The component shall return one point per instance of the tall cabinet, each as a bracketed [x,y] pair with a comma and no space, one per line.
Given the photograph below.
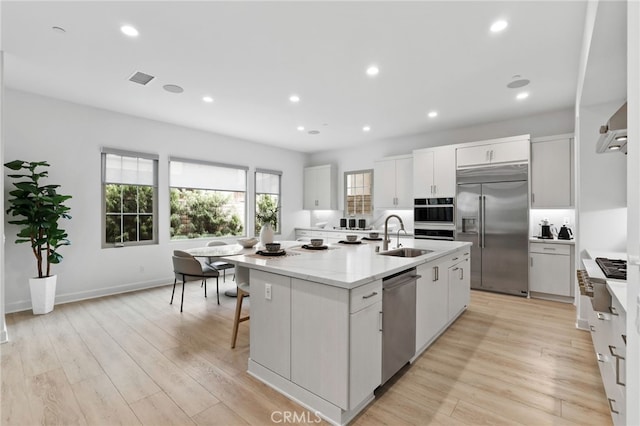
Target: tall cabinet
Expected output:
[552,172]
[434,172]
[320,191]
[393,185]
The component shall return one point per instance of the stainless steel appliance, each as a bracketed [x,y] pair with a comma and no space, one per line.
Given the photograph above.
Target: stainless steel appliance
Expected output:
[398,321]
[434,218]
[493,214]
[593,280]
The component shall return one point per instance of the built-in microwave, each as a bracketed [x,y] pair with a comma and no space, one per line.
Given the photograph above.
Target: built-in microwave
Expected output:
[434,211]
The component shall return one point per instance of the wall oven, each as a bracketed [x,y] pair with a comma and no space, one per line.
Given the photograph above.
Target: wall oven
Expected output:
[434,218]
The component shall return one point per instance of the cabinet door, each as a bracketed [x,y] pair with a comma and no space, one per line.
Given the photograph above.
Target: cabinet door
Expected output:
[324,188]
[404,183]
[459,288]
[271,338]
[310,191]
[365,351]
[384,186]
[550,273]
[423,173]
[432,301]
[444,172]
[320,340]
[551,174]
[473,155]
[510,152]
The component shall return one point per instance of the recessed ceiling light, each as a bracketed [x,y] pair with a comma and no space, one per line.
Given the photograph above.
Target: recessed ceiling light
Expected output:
[300,128]
[173,88]
[207,99]
[433,114]
[366,128]
[522,95]
[621,138]
[129,30]
[294,98]
[373,70]
[498,26]
[614,147]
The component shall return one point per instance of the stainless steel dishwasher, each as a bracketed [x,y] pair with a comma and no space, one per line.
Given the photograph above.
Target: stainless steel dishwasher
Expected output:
[398,321]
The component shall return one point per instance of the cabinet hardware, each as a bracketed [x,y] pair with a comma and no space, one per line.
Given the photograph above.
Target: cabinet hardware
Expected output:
[491,156]
[592,328]
[466,254]
[461,273]
[612,349]
[380,321]
[533,198]
[455,258]
[370,295]
[613,311]
[624,338]
[618,382]
[600,357]
[486,156]
[601,316]
[549,248]
[611,401]
[435,273]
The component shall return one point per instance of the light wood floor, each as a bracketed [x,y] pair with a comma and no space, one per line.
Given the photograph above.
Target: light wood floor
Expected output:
[134,359]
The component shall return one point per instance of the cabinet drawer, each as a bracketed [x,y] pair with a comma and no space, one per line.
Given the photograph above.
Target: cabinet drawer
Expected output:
[365,295]
[303,233]
[563,249]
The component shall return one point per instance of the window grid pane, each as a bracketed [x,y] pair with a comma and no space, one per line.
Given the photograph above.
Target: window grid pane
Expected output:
[358,193]
[267,197]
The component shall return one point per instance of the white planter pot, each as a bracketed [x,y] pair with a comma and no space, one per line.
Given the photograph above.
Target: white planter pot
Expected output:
[43,294]
[266,234]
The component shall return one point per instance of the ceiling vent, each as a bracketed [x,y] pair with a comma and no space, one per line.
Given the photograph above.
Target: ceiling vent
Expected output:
[141,78]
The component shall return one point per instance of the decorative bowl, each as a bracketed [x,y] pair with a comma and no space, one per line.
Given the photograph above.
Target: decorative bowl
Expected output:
[373,235]
[316,242]
[272,247]
[352,238]
[247,242]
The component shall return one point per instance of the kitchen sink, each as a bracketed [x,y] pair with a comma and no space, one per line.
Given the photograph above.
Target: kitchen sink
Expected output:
[405,252]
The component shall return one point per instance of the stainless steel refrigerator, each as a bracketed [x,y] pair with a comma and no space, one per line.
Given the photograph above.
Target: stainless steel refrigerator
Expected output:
[493,214]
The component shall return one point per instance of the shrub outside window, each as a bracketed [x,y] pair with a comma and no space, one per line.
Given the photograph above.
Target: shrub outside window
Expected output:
[129,196]
[267,190]
[206,199]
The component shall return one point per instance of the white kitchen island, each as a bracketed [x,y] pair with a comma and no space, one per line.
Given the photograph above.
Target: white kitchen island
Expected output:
[315,333]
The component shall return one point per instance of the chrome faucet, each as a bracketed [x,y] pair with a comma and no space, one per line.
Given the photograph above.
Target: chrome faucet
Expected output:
[385,241]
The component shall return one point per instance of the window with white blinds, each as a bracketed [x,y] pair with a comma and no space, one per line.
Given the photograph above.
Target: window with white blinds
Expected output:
[129,195]
[206,199]
[267,191]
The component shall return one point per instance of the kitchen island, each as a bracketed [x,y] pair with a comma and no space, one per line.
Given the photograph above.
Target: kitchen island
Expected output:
[316,317]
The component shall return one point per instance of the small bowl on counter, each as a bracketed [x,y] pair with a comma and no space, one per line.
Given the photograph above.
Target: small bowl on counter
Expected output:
[316,242]
[352,238]
[247,242]
[373,235]
[272,247]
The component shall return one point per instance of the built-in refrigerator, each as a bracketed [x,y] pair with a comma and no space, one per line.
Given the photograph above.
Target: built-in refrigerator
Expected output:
[493,214]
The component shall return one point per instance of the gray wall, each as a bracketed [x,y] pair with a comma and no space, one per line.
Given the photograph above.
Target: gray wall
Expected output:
[69,136]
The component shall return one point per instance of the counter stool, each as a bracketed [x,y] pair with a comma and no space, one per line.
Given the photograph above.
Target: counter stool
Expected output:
[243,291]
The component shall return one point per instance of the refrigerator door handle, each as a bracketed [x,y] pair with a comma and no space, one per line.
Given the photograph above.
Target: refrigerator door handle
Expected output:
[484,215]
[480,219]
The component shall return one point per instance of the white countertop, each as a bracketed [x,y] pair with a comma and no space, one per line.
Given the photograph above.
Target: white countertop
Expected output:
[345,266]
[617,288]
[357,231]
[551,241]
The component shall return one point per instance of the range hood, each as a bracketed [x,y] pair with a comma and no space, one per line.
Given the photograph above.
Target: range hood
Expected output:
[613,135]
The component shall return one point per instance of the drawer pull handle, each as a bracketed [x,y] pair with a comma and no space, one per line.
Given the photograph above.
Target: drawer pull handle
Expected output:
[624,337]
[611,401]
[613,311]
[592,328]
[370,295]
[549,248]
[600,357]
[601,316]
[455,258]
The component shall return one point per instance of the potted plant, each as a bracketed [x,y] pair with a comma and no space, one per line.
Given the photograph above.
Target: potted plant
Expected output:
[266,218]
[39,208]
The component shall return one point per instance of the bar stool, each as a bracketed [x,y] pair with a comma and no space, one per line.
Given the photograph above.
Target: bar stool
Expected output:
[243,291]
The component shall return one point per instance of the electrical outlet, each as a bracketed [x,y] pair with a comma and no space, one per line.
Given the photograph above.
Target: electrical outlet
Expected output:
[267,291]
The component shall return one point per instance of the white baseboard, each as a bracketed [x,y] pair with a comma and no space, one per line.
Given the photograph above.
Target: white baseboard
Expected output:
[25,305]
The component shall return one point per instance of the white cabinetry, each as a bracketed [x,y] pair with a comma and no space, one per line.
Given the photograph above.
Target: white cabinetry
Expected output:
[482,154]
[393,183]
[459,287]
[434,172]
[271,340]
[320,188]
[551,172]
[550,270]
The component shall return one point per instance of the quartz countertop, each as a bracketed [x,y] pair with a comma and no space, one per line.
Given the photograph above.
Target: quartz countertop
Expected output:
[551,241]
[356,231]
[343,265]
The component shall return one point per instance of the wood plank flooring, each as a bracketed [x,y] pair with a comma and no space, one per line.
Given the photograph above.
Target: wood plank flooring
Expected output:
[134,359]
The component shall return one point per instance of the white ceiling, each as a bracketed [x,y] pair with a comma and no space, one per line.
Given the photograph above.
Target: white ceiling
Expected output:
[251,56]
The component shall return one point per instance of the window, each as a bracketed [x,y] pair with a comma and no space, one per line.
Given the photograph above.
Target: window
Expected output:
[267,199]
[358,190]
[206,199]
[129,195]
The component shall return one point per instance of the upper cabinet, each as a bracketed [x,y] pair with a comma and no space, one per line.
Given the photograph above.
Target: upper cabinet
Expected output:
[320,188]
[393,183]
[516,151]
[551,172]
[434,172]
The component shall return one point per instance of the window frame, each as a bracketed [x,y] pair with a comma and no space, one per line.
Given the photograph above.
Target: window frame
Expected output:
[255,196]
[214,164]
[104,151]
[346,192]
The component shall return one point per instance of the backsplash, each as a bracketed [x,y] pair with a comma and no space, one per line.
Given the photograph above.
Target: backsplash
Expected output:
[557,218]
[332,217]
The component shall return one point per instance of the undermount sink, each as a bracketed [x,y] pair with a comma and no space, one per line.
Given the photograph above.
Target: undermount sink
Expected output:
[405,252]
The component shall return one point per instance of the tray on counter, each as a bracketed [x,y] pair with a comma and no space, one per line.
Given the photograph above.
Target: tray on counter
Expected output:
[310,247]
[280,252]
[349,242]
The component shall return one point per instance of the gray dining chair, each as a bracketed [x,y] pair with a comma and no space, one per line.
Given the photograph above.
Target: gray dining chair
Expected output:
[187,268]
[219,264]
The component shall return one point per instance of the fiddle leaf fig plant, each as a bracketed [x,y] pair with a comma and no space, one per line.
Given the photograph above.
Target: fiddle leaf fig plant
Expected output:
[39,208]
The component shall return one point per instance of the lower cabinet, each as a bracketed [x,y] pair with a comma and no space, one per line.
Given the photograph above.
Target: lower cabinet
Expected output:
[364,357]
[459,287]
[550,269]
[432,300]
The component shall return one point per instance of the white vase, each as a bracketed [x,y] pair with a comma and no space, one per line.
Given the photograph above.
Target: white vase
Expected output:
[43,294]
[266,234]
